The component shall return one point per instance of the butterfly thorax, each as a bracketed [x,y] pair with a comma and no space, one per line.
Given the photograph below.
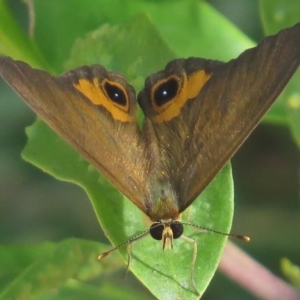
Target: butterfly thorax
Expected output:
[162,201]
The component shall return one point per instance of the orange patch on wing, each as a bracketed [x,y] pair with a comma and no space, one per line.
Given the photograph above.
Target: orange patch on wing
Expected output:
[189,88]
[95,92]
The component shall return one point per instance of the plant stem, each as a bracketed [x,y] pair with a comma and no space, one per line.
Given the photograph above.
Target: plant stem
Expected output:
[254,277]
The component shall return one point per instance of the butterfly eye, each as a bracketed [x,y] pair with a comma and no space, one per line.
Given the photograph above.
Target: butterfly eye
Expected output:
[115,93]
[177,229]
[166,91]
[156,231]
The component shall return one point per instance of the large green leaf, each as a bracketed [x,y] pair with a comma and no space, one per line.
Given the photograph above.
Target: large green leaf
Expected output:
[187,26]
[35,270]
[14,41]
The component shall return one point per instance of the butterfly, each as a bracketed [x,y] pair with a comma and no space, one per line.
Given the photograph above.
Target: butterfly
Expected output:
[197,111]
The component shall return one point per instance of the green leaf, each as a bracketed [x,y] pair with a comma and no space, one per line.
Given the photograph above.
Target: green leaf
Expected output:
[190,34]
[278,14]
[75,290]
[117,48]
[291,271]
[38,269]
[14,42]
[59,23]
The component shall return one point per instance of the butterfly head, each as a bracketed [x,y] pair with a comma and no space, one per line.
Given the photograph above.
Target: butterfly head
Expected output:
[166,231]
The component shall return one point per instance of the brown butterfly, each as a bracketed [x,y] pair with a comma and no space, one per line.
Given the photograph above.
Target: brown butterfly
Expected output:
[197,112]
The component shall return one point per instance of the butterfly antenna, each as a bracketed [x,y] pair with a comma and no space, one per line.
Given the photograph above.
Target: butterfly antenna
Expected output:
[244,238]
[127,243]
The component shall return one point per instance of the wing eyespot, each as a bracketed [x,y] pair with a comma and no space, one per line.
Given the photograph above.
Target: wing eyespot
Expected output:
[166,92]
[115,93]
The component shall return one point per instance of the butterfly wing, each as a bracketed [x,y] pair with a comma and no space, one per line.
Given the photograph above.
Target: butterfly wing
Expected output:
[95,111]
[201,110]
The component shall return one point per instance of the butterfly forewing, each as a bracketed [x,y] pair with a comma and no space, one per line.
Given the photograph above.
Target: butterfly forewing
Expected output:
[233,97]
[197,113]
[111,146]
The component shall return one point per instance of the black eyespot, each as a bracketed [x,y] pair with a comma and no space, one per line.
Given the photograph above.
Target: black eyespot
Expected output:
[166,92]
[115,94]
[177,229]
[156,231]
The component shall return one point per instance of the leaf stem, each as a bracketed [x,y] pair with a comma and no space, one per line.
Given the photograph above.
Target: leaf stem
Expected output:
[254,277]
